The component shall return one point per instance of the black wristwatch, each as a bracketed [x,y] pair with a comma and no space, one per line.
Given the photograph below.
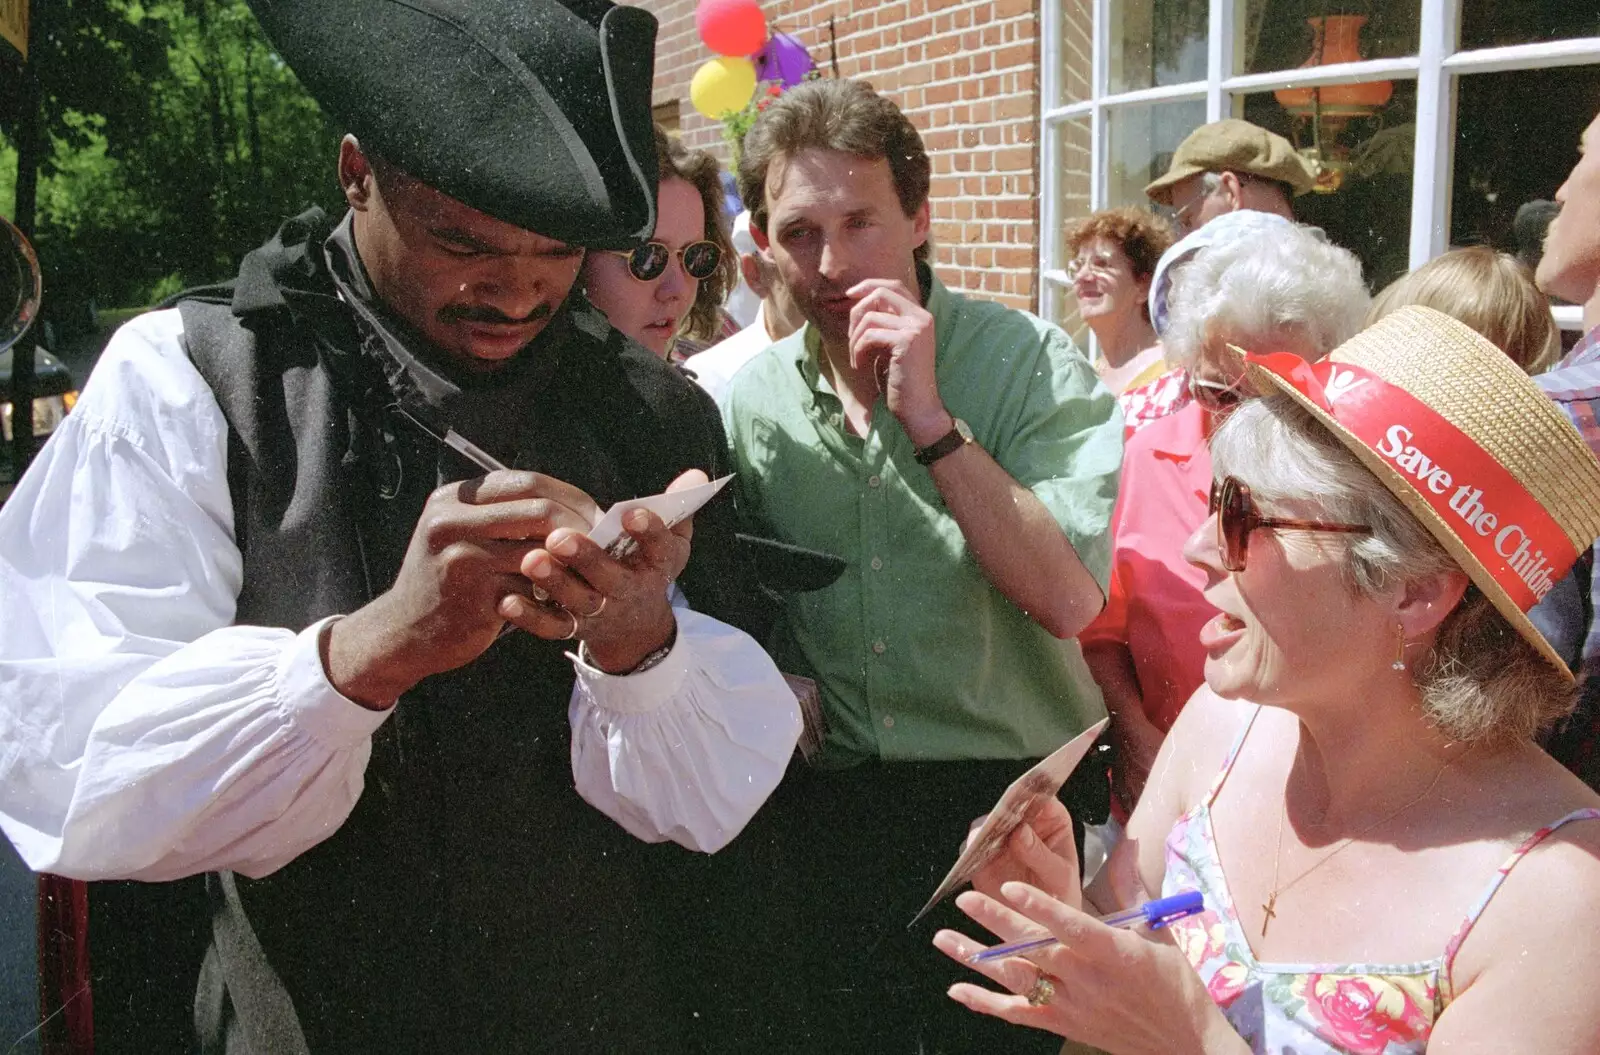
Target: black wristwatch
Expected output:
[958,436]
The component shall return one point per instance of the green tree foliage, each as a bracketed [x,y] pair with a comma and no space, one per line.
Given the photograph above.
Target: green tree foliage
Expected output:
[178,139]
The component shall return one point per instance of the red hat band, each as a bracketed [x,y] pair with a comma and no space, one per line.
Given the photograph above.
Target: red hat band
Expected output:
[1487,509]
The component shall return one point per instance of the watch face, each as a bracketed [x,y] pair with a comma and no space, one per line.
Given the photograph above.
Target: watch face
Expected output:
[964,430]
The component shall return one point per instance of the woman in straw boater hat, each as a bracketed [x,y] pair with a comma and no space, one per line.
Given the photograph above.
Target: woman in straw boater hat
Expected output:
[1388,862]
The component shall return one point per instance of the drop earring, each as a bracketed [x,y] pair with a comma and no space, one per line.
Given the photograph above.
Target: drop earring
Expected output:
[1400,655]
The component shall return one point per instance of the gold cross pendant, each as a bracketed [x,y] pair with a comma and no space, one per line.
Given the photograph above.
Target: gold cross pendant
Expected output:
[1271,901]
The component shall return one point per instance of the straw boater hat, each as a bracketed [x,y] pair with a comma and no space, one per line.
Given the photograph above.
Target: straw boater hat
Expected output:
[1478,454]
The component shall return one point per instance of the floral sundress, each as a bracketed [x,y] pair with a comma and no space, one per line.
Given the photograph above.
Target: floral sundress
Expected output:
[1307,1009]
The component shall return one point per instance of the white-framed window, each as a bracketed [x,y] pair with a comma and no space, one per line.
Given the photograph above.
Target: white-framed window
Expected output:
[1479,109]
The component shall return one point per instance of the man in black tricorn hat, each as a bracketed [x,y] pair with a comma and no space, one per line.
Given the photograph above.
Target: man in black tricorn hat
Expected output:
[264,619]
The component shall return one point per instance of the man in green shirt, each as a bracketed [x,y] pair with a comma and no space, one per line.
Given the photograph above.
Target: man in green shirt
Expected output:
[963,458]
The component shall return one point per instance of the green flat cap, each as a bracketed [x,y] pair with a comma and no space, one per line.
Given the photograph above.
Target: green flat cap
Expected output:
[1235,146]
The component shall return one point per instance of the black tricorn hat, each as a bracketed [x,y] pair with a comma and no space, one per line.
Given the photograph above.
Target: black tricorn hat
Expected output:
[536,112]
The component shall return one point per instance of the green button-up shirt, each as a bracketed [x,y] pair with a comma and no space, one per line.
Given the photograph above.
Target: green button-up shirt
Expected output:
[917,655]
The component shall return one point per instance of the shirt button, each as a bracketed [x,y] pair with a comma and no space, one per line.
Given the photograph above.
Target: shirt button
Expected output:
[874,481]
[878,647]
[877,563]
[888,721]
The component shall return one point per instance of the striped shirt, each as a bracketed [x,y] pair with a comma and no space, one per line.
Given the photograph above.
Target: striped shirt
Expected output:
[1567,616]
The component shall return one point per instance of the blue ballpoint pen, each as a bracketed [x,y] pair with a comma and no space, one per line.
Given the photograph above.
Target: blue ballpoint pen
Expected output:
[1153,914]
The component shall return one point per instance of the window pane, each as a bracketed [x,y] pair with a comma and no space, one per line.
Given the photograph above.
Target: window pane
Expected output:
[1139,145]
[1514,147]
[1077,50]
[1495,23]
[1157,42]
[1287,34]
[1070,148]
[1370,211]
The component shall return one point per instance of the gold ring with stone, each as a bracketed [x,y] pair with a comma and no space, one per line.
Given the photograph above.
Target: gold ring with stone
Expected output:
[1043,991]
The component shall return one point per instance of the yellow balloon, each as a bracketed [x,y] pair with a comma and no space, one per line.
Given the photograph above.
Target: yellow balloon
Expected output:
[722,86]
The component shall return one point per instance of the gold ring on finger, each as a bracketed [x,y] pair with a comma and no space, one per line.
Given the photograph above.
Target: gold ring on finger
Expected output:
[1043,991]
[573,632]
[597,611]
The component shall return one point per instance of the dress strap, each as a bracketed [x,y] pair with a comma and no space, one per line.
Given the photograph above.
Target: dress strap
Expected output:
[1448,987]
[1227,763]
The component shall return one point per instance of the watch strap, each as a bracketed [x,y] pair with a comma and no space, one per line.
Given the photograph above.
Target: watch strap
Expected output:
[951,441]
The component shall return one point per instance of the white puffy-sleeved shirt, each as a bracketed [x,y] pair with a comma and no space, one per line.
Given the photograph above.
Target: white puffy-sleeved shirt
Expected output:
[144,736]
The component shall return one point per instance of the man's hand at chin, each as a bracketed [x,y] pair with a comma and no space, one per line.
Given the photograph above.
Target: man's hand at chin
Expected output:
[891,332]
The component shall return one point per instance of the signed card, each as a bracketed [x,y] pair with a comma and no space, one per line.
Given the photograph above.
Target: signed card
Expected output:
[673,507]
[1042,780]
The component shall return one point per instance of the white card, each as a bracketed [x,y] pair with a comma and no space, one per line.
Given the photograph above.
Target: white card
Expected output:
[674,507]
[1042,780]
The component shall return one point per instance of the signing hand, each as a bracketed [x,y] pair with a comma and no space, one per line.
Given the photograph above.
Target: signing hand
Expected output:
[464,559]
[618,608]
[1113,989]
[893,334]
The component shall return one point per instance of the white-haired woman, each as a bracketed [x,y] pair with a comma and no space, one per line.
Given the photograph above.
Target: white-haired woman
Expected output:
[1388,862]
[1285,289]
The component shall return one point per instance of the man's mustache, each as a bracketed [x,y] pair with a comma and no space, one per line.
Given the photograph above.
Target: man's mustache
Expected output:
[492,316]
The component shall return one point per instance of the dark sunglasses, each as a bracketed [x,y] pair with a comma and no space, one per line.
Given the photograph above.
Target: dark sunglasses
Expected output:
[1237,516]
[649,262]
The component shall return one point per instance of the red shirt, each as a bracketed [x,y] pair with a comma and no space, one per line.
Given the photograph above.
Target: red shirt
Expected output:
[1153,606]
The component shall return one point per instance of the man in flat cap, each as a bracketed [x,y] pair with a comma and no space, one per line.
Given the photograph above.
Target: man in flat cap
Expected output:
[1230,165]
[266,622]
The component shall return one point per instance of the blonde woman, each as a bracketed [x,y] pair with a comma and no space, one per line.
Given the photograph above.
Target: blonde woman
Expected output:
[1490,291]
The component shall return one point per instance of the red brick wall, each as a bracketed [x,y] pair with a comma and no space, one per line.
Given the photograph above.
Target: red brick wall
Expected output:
[966,73]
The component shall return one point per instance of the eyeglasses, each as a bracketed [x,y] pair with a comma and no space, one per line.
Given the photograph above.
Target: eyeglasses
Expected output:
[649,261]
[1216,396]
[1100,264]
[1237,516]
[1178,216]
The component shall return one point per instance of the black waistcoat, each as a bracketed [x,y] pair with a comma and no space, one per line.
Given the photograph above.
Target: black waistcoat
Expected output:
[472,902]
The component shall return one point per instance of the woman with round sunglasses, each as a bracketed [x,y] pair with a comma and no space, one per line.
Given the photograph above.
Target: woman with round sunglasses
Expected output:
[1388,863]
[675,283]
[1287,290]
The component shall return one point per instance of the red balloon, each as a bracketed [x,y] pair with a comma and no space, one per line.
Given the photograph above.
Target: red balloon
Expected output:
[731,27]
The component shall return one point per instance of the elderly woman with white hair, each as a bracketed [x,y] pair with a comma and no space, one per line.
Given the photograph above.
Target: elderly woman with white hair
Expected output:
[1275,286]
[1388,864]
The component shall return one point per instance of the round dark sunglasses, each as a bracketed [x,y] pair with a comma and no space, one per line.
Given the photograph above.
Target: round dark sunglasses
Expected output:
[649,261]
[1237,516]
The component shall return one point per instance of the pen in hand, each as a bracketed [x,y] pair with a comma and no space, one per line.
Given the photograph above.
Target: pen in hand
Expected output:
[1153,914]
[455,441]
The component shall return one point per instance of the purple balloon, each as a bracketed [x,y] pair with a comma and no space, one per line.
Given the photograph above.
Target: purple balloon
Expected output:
[783,59]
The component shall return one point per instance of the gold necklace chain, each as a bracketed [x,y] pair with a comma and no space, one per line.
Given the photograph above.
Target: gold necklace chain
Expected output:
[1277,855]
